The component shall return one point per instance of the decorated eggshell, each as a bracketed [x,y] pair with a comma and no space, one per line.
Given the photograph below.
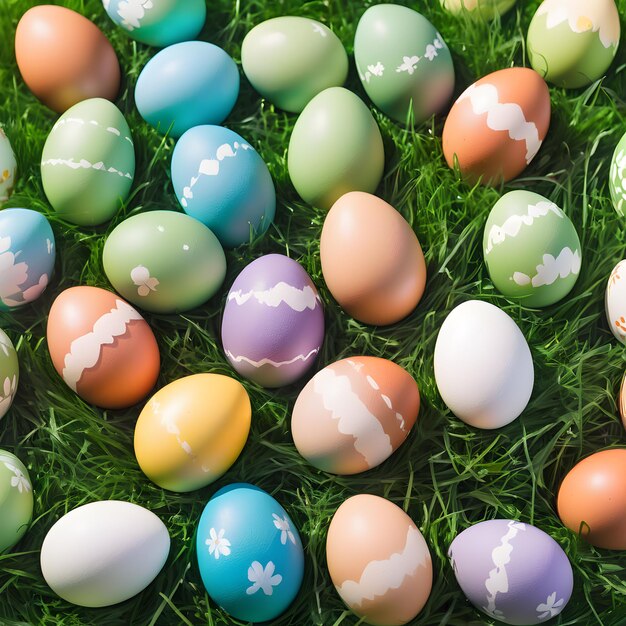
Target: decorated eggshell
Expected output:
[378,561]
[615,301]
[8,167]
[249,553]
[335,147]
[487,9]
[27,256]
[497,125]
[617,180]
[622,400]
[571,43]
[164,261]
[531,249]
[101,347]
[16,497]
[9,373]
[222,181]
[104,552]
[513,572]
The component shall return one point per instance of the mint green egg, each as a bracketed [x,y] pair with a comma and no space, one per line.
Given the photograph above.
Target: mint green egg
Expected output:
[88,162]
[617,178]
[9,373]
[531,249]
[163,261]
[16,500]
[485,9]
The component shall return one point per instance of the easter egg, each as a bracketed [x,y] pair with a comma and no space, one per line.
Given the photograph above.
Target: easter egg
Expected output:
[273,324]
[513,572]
[617,179]
[222,181]
[622,400]
[378,561]
[531,249]
[26,256]
[487,9]
[615,301]
[104,552]
[164,261]
[571,43]
[371,259]
[192,430]
[249,553]
[289,60]
[483,366]
[88,163]
[8,167]
[335,147]
[64,57]
[404,64]
[497,125]
[101,347]
[353,414]
[16,498]
[9,373]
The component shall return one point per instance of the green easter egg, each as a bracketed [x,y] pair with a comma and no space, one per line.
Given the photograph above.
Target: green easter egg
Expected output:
[335,147]
[485,9]
[289,60]
[9,373]
[8,167]
[163,261]
[531,249]
[16,500]
[88,162]
[617,178]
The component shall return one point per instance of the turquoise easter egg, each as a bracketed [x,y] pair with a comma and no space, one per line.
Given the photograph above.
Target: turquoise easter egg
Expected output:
[9,373]
[16,500]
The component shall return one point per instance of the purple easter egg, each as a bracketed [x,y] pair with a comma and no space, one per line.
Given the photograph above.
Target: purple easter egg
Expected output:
[273,324]
[512,571]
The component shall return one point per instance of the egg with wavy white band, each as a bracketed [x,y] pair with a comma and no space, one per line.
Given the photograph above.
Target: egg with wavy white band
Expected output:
[9,373]
[513,572]
[615,301]
[8,167]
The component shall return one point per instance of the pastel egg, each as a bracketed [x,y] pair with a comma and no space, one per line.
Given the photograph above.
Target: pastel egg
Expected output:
[273,323]
[617,178]
[222,181]
[483,366]
[88,163]
[192,430]
[104,552]
[404,64]
[101,347]
[8,167]
[9,373]
[371,259]
[335,147]
[289,60]
[513,572]
[615,301]
[378,561]
[64,57]
[164,261]
[487,9]
[249,553]
[353,414]
[497,125]
[16,499]
[622,400]
[27,256]
[571,43]
[531,249]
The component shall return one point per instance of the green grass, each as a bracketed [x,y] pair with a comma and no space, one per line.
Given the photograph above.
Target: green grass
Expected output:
[447,475]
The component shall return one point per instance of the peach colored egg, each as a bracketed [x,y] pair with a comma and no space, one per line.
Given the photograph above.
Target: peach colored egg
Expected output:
[372,262]
[378,561]
[102,348]
[354,414]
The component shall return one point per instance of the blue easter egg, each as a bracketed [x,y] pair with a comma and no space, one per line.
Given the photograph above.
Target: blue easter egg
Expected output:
[26,256]
[186,85]
[220,180]
[249,553]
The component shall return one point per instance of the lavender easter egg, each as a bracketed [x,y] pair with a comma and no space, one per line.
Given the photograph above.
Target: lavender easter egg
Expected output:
[273,324]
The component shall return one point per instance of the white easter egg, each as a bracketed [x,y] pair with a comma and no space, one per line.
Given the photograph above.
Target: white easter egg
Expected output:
[615,301]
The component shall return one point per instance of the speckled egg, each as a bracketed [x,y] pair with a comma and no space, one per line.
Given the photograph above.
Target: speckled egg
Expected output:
[615,301]
[487,9]
[8,167]
[9,373]
[617,178]
[249,553]
[16,498]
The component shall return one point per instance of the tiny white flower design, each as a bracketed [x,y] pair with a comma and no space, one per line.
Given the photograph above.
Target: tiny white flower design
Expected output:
[33,292]
[376,70]
[19,481]
[282,523]
[408,64]
[4,344]
[13,274]
[263,578]
[218,544]
[9,388]
[551,607]
[431,52]
[140,275]
[319,30]
[133,11]
[438,43]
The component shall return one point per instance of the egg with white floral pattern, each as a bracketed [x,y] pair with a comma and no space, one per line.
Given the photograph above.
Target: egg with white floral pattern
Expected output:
[615,301]
[8,167]
[617,178]
[9,373]
[16,499]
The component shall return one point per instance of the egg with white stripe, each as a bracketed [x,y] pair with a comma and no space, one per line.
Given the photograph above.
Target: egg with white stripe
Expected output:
[615,301]
[8,167]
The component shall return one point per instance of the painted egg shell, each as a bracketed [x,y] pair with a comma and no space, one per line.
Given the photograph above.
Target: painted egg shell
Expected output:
[16,499]
[403,62]
[615,301]
[513,572]
[483,366]
[531,249]
[164,261]
[617,180]
[354,414]
[497,125]
[192,430]
[158,22]
[273,324]
[371,259]
[88,163]
[378,561]
[101,347]
[571,43]
[335,147]
[289,60]
[27,256]
[8,167]
[9,373]
[249,553]
[104,552]
[481,8]
[222,181]
[622,400]
[64,57]
[592,499]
